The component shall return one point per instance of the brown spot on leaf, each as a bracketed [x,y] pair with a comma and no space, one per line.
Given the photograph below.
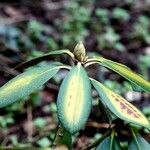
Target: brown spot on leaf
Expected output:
[70,96]
[136,116]
[69,103]
[113,95]
[123,106]
[129,111]
[133,109]
[118,97]
[115,98]
[128,105]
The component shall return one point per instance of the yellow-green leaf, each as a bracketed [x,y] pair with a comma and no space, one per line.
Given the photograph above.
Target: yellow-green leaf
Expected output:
[43,57]
[74,99]
[26,83]
[124,71]
[119,106]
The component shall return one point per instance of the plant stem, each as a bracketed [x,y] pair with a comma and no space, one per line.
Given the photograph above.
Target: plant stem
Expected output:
[62,138]
[29,122]
[90,146]
[58,136]
[134,136]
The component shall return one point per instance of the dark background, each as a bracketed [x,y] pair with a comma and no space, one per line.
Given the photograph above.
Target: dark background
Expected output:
[117,30]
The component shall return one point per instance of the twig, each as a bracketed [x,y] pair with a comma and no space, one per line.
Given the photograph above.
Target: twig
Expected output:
[100,125]
[30,123]
[14,20]
[55,5]
[58,136]
[8,70]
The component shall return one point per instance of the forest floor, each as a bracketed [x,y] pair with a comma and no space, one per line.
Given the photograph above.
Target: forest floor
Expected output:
[117,30]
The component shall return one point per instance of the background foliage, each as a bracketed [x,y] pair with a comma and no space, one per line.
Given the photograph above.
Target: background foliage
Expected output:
[118,30]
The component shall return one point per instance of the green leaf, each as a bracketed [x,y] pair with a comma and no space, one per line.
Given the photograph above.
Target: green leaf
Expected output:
[43,57]
[26,83]
[67,139]
[74,99]
[119,106]
[105,144]
[123,71]
[109,143]
[138,143]
[63,137]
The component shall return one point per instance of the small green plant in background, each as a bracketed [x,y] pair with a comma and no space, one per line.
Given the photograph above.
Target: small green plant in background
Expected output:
[141,29]
[110,39]
[76,18]
[121,14]
[74,99]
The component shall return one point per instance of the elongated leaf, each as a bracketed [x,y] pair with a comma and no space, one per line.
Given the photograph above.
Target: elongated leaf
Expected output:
[74,99]
[105,144]
[125,72]
[109,144]
[25,83]
[41,58]
[119,106]
[138,143]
